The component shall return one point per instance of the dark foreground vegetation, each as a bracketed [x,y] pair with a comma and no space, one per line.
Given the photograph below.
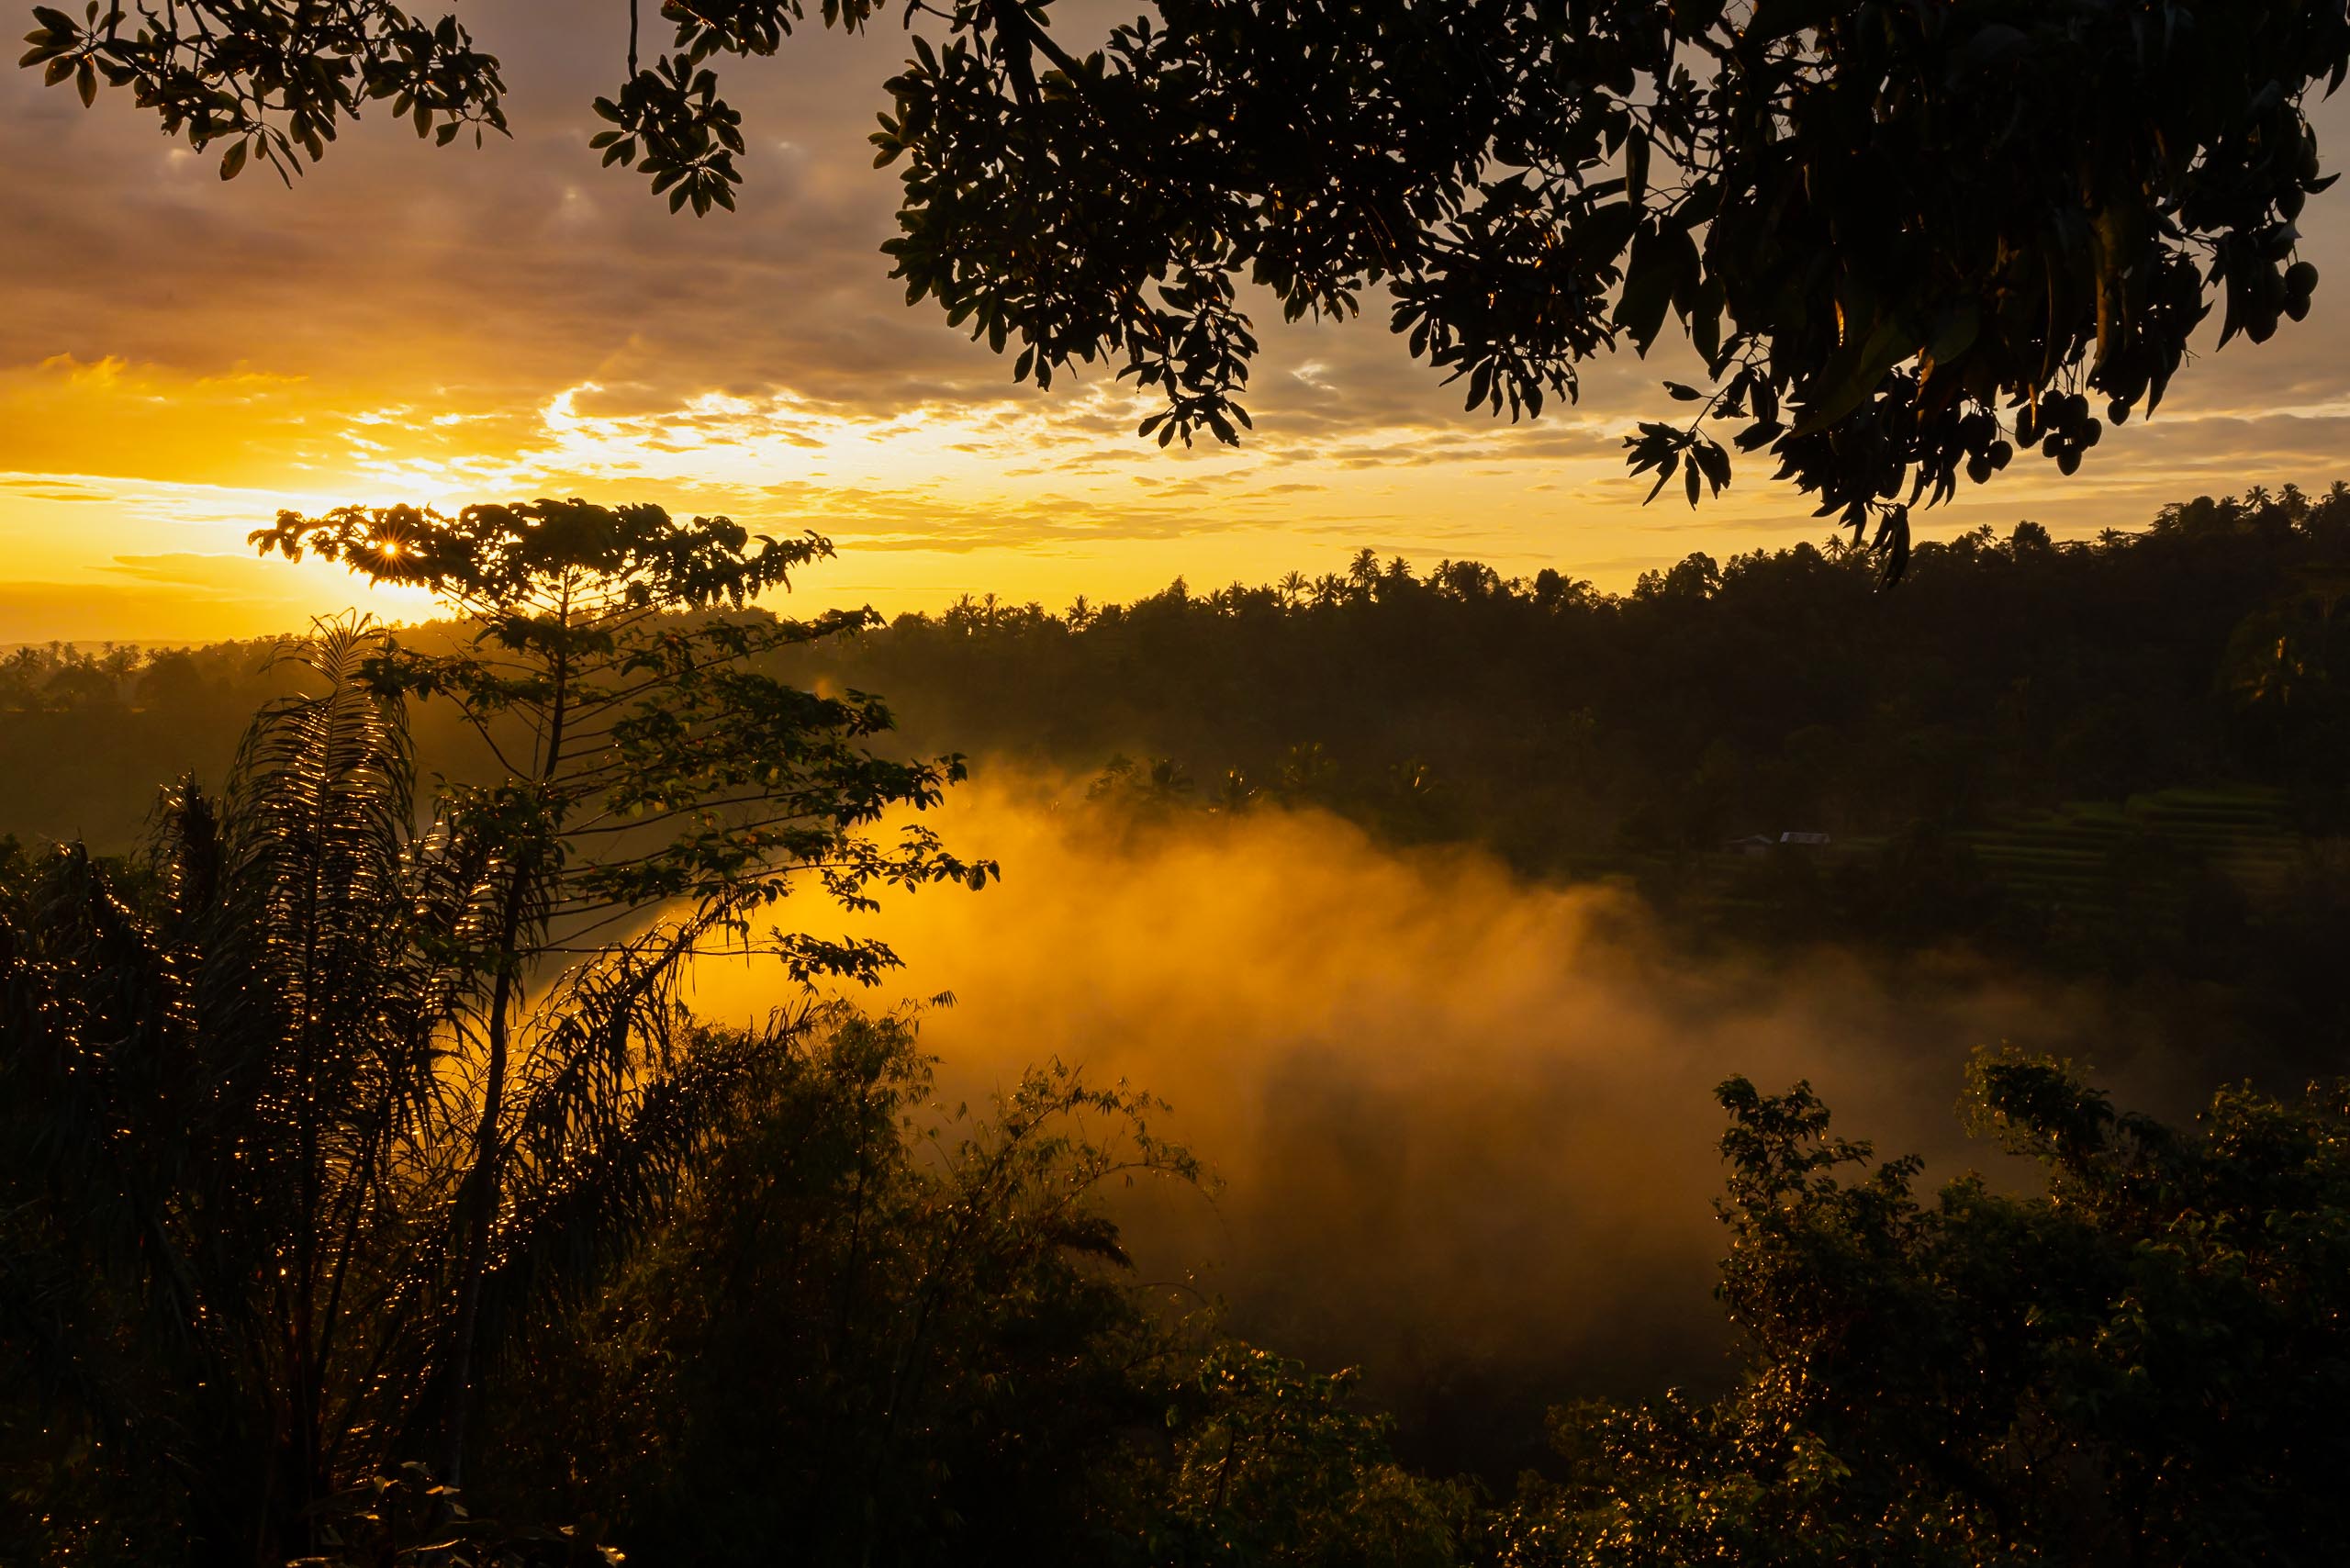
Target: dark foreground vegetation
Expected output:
[837,1326]
[367,1196]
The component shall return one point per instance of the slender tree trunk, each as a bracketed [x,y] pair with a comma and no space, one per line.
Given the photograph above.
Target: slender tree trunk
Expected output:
[479,1202]
[479,1222]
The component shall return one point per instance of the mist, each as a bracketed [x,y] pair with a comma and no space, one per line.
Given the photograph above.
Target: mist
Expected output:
[1461,1124]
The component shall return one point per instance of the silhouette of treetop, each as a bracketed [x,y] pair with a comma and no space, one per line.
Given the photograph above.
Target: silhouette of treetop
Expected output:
[499,553]
[1902,241]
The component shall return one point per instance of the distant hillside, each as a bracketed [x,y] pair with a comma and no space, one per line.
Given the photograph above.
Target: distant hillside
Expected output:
[2125,757]
[1780,690]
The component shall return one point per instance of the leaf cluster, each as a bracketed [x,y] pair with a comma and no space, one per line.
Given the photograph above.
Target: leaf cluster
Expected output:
[274,79]
[2134,1367]
[610,667]
[1904,242]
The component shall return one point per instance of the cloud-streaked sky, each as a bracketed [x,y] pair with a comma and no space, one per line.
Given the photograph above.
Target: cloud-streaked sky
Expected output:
[181,357]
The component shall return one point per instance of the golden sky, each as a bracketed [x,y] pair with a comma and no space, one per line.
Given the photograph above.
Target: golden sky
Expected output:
[181,357]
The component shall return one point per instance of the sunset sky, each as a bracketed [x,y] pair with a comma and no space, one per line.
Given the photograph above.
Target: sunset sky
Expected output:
[181,357]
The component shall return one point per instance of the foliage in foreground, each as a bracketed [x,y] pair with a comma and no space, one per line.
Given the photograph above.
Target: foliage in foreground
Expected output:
[2144,1364]
[887,1336]
[241,1115]
[308,1113]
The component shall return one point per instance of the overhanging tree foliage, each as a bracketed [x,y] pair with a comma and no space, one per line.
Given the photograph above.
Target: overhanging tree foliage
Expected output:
[1903,240]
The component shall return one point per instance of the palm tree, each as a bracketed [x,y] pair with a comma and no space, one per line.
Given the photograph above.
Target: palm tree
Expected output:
[2330,507]
[221,1071]
[238,1095]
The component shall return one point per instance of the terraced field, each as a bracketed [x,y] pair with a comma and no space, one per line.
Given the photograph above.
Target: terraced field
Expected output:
[2091,861]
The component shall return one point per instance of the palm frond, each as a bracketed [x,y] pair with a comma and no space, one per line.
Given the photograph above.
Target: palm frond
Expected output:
[221,1069]
[624,1093]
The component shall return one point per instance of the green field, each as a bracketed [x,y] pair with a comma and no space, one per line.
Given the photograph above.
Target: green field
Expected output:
[2095,860]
